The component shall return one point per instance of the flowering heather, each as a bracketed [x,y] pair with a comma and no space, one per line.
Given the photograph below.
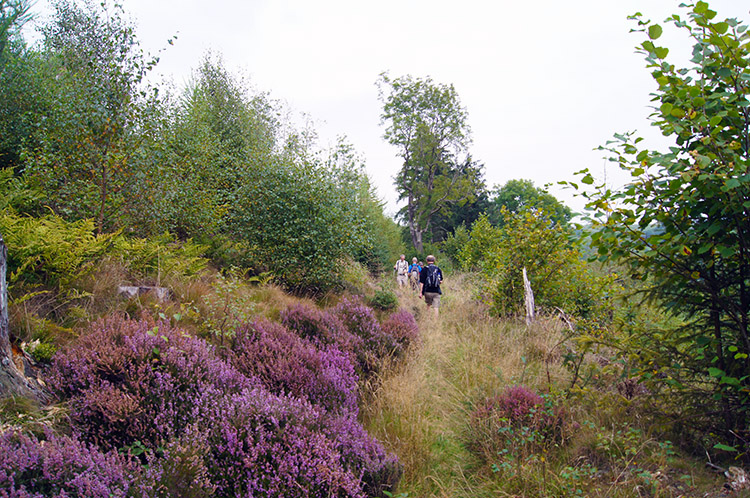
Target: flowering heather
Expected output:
[516,405]
[517,420]
[137,380]
[181,470]
[286,363]
[359,319]
[402,326]
[313,323]
[61,466]
[364,456]
[212,429]
[321,327]
[266,445]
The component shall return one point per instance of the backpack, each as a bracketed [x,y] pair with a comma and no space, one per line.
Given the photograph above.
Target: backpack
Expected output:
[432,279]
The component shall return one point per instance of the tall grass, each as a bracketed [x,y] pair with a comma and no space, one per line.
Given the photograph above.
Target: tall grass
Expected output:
[422,410]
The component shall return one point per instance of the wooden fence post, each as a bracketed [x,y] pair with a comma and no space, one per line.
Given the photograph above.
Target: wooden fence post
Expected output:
[528,298]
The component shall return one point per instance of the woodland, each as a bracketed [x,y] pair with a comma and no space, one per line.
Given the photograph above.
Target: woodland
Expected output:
[198,300]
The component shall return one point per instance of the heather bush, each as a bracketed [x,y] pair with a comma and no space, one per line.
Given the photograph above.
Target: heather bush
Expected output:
[61,466]
[325,328]
[364,456]
[266,445]
[287,363]
[402,326]
[511,428]
[208,428]
[181,469]
[359,320]
[315,324]
[137,380]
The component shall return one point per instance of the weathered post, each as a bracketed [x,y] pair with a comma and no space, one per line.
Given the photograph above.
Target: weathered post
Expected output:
[5,353]
[528,298]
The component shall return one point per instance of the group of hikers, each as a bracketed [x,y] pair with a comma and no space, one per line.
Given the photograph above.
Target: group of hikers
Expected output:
[424,279]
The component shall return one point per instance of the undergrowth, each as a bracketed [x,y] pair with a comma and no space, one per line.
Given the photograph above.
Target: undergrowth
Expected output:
[486,407]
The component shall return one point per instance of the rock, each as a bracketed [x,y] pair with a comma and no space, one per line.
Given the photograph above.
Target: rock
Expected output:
[161,293]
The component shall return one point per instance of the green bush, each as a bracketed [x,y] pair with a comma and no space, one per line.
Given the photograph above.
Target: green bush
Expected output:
[559,276]
[384,300]
[42,352]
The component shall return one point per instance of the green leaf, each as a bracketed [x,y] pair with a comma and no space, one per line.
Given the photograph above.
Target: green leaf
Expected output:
[661,52]
[705,248]
[588,179]
[700,7]
[726,252]
[715,372]
[721,27]
[655,31]
[677,112]
[666,108]
[724,447]
[732,381]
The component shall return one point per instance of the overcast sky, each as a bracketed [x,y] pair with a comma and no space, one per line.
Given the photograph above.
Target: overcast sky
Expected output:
[544,82]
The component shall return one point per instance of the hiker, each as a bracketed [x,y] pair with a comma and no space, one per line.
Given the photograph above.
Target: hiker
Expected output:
[414,269]
[402,270]
[430,279]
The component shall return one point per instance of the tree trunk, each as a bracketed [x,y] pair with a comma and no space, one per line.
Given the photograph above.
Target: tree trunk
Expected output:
[414,230]
[4,330]
[12,380]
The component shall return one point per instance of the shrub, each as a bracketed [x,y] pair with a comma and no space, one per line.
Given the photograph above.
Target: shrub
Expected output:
[512,427]
[207,429]
[181,470]
[360,321]
[61,466]
[402,327]
[384,300]
[321,327]
[131,381]
[287,363]
[364,456]
[267,445]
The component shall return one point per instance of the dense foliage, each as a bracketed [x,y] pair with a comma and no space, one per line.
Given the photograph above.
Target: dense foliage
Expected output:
[89,137]
[519,195]
[551,255]
[681,225]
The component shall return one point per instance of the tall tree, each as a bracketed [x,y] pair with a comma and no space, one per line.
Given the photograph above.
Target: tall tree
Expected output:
[521,195]
[681,225]
[16,103]
[427,123]
[13,15]
[461,214]
[93,73]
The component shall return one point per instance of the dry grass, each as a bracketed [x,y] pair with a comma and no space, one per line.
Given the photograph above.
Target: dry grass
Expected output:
[465,356]
[420,411]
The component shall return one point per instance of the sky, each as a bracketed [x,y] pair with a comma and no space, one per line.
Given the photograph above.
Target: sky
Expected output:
[545,82]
